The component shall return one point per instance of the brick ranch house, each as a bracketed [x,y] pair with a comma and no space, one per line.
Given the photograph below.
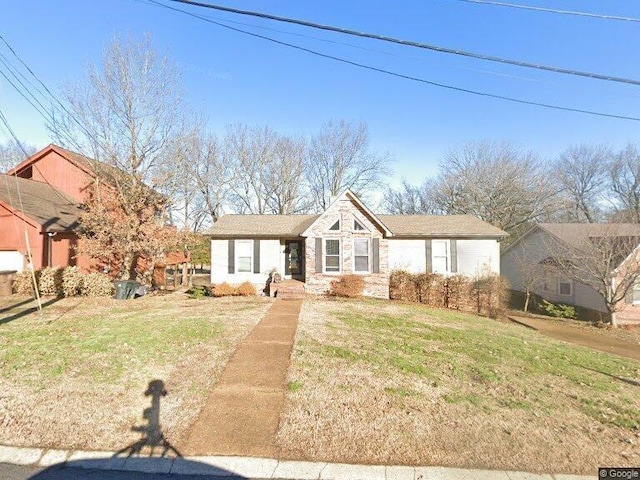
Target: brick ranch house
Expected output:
[529,260]
[348,238]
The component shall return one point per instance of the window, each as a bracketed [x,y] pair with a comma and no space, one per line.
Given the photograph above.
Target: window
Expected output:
[331,255]
[335,226]
[361,255]
[440,256]
[557,285]
[244,256]
[358,226]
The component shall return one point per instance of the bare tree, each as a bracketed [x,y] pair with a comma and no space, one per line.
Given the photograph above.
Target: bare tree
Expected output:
[214,174]
[605,258]
[125,115]
[624,175]
[252,150]
[582,175]
[340,158]
[284,177]
[497,182]
[409,199]
[11,154]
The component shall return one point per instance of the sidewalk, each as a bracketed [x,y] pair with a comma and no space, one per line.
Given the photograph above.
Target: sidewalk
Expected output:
[242,412]
[580,337]
[256,468]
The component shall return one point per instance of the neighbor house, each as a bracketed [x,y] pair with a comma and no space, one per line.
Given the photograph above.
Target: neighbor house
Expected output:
[347,238]
[41,196]
[541,262]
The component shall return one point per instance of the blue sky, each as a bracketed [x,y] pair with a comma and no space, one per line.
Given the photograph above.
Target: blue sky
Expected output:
[233,78]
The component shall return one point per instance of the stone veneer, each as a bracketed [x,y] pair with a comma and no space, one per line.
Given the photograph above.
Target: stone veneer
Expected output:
[376,284]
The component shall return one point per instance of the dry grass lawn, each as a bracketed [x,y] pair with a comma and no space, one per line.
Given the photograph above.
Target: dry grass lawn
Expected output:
[383,382]
[75,377]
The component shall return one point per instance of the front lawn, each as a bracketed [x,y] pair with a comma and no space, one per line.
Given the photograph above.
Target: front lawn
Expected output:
[75,376]
[383,382]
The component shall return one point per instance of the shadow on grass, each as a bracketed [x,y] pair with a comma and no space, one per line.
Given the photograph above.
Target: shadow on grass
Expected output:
[630,381]
[150,458]
[24,313]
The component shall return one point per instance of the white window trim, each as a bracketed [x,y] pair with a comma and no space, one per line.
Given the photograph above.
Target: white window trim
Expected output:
[353,255]
[339,229]
[236,264]
[634,287]
[353,226]
[433,256]
[324,256]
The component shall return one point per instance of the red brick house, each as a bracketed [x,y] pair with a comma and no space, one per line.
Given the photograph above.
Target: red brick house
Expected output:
[42,196]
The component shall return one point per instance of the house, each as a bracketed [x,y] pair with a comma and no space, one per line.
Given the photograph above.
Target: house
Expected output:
[532,263]
[42,195]
[47,215]
[348,238]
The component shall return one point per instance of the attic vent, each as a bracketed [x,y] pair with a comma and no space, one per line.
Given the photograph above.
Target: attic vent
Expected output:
[335,226]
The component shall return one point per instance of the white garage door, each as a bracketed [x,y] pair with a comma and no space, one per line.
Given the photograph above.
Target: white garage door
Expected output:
[11,260]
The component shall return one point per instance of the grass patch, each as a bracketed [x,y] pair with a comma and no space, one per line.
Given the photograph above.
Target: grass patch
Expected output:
[408,384]
[294,386]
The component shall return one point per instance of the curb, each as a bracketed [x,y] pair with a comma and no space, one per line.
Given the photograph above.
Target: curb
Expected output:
[252,467]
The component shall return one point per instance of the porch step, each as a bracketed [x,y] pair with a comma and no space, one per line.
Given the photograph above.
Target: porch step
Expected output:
[289,294]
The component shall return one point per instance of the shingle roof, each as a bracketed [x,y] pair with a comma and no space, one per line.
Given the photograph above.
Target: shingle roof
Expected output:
[47,205]
[399,225]
[261,225]
[439,225]
[575,234]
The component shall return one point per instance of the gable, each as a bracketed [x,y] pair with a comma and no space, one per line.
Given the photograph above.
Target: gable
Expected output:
[348,211]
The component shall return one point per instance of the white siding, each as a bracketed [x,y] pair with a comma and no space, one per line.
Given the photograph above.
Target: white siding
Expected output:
[475,255]
[407,255]
[270,252]
[11,260]
[521,263]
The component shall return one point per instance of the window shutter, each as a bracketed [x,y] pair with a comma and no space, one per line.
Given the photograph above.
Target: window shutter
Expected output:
[427,254]
[232,256]
[375,247]
[318,255]
[453,252]
[256,256]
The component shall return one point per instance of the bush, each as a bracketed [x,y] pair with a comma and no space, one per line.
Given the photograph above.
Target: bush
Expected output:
[350,286]
[197,292]
[246,289]
[23,283]
[97,285]
[72,281]
[559,310]
[222,290]
[50,282]
[402,286]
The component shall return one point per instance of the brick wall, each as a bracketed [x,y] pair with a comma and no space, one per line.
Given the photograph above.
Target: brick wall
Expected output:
[317,282]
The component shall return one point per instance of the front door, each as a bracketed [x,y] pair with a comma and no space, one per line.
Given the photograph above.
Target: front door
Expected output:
[293,256]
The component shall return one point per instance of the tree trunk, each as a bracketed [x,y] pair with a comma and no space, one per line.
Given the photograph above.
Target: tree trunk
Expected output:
[526,301]
[614,319]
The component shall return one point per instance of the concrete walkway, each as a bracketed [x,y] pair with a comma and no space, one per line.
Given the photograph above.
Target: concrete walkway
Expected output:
[582,337]
[242,412]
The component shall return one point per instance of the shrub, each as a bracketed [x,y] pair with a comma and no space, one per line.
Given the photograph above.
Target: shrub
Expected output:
[246,289]
[402,286]
[23,283]
[222,290]
[560,310]
[50,282]
[97,285]
[197,292]
[350,286]
[72,281]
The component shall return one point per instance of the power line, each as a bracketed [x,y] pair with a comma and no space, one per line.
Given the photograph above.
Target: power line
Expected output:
[554,10]
[411,43]
[399,75]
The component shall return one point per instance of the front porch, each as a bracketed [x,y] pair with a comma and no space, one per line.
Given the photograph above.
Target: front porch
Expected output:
[287,289]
